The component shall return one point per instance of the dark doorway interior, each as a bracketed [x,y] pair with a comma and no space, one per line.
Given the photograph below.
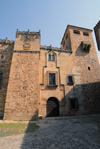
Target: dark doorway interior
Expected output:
[52,107]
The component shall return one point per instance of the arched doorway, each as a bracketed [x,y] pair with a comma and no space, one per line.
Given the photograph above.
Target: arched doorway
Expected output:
[52,107]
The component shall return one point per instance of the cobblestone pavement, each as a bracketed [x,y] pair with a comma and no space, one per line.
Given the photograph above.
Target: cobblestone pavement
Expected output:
[58,133]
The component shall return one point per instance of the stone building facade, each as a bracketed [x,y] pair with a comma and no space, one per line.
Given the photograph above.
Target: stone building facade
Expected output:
[43,81]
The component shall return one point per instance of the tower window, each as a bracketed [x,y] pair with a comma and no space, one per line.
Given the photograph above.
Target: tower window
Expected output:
[76,32]
[70,80]
[2,57]
[85,34]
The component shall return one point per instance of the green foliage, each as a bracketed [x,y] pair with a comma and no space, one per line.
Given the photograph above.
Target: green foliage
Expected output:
[7,129]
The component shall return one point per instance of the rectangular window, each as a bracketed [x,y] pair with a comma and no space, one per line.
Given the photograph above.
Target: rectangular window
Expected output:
[70,80]
[74,103]
[52,80]
[76,32]
[85,34]
[1,78]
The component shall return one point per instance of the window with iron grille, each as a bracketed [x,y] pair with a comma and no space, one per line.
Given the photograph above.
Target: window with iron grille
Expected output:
[52,80]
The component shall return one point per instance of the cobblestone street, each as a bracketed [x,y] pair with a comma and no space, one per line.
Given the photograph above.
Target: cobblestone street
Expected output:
[58,133]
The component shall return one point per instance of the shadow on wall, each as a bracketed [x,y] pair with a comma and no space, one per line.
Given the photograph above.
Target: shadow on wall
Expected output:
[91,103]
[5,71]
[81,52]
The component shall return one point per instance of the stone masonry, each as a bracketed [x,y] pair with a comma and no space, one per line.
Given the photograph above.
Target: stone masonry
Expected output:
[39,81]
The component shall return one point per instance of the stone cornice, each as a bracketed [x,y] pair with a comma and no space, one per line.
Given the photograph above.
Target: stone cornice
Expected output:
[55,49]
[24,51]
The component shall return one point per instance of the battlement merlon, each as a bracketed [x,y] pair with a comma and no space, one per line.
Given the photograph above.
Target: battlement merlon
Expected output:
[27,33]
[6,41]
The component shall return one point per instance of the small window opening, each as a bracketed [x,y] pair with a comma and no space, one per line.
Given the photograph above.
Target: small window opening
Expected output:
[85,34]
[89,68]
[66,36]
[70,80]
[64,43]
[74,103]
[76,32]
[2,57]
[53,57]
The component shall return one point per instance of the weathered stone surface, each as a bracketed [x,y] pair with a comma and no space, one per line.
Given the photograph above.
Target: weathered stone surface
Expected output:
[26,68]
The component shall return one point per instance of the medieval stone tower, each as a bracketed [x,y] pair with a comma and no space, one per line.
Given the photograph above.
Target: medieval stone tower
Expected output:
[47,81]
[23,87]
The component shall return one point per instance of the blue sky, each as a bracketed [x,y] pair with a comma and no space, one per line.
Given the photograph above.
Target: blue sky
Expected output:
[49,16]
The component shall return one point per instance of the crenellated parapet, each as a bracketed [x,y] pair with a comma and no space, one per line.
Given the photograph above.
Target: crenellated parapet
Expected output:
[28,34]
[6,41]
[55,49]
[27,41]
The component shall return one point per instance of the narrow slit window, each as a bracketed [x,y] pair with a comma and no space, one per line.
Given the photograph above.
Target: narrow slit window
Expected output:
[89,68]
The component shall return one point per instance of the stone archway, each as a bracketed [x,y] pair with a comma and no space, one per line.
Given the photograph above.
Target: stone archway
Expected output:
[52,107]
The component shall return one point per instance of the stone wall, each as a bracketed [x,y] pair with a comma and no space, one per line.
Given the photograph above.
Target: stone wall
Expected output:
[86,70]
[6,51]
[23,88]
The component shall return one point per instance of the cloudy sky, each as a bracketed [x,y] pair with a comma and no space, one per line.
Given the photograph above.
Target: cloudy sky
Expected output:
[49,16]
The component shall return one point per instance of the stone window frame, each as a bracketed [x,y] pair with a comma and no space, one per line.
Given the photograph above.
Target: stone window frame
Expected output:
[51,57]
[68,81]
[56,78]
